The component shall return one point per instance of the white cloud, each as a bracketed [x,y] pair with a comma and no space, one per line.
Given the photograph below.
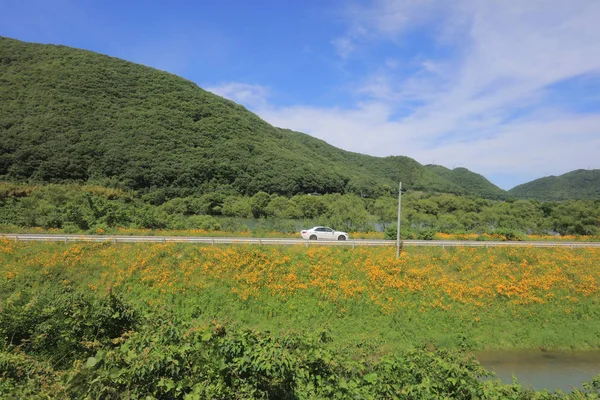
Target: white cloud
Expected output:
[482,104]
[388,19]
[343,46]
[508,53]
[553,144]
[361,130]
[252,96]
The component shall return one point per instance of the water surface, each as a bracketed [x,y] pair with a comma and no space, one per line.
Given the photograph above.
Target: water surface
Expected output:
[542,369]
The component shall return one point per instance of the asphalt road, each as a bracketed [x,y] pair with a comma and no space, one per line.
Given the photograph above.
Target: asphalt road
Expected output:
[280,242]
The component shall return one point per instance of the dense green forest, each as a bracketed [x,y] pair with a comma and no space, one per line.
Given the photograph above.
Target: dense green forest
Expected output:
[472,182]
[71,115]
[581,184]
[75,208]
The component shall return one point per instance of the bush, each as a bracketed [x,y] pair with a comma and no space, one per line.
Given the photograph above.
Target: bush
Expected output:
[232,225]
[284,226]
[205,222]
[25,377]
[177,222]
[428,234]
[100,229]
[174,360]
[70,228]
[509,234]
[60,323]
[405,233]
[390,232]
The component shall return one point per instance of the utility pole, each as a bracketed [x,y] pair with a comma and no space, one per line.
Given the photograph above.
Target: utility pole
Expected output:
[398,230]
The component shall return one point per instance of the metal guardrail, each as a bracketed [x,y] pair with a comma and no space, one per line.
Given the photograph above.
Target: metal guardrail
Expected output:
[472,243]
[189,239]
[284,242]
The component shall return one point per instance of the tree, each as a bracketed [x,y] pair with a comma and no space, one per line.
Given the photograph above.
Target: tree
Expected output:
[346,212]
[386,211]
[277,207]
[427,206]
[259,203]
[235,206]
[309,206]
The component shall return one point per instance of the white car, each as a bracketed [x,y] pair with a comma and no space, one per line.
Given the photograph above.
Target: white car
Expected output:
[323,233]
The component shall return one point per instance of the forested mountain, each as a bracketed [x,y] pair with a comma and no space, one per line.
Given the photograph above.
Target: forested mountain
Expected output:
[72,115]
[470,181]
[578,184]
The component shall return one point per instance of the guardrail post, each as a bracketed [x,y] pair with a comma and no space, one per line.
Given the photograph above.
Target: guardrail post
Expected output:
[66,239]
[212,241]
[260,241]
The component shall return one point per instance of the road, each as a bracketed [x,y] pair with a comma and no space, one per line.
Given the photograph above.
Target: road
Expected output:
[280,242]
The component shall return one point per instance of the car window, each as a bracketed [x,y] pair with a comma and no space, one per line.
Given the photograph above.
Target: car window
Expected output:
[328,230]
[320,230]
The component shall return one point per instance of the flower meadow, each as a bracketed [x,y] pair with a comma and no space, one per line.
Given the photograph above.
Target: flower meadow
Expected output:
[94,319]
[550,297]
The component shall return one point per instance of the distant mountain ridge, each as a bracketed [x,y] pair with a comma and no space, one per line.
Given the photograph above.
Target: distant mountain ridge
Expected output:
[75,115]
[471,181]
[578,184]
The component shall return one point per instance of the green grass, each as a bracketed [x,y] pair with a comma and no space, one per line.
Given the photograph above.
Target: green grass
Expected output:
[170,320]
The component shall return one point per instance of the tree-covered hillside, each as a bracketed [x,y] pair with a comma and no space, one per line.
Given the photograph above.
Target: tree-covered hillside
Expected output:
[470,181]
[578,184]
[71,115]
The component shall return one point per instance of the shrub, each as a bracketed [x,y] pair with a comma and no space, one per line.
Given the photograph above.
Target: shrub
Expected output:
[405,233]
[509,234]
[205,222]
[428,234]
[60,323]
[70,228]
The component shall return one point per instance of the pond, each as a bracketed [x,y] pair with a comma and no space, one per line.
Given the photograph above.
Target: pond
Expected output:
[543,369]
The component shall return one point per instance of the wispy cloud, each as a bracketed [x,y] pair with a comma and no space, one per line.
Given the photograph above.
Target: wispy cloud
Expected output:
[344,46]
[253,96]
[479,100]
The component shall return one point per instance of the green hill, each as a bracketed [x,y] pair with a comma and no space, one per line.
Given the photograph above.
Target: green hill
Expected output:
[578,184]
[72,115]
[470,181]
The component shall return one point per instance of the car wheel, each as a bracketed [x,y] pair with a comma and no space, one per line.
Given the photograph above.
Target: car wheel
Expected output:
[313,237]
[341,237]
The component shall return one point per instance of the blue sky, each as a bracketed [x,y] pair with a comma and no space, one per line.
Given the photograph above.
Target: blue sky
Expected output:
[507,88]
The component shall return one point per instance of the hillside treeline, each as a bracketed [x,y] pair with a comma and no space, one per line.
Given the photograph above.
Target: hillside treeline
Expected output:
[75,116]
[75,208]
[70,115]
[580,184]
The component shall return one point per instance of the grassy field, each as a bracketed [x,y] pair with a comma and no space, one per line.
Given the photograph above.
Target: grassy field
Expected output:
[461,297]
[181,321]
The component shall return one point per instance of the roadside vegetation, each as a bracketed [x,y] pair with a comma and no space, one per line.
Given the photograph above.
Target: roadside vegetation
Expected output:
[97,209]
[188,321]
